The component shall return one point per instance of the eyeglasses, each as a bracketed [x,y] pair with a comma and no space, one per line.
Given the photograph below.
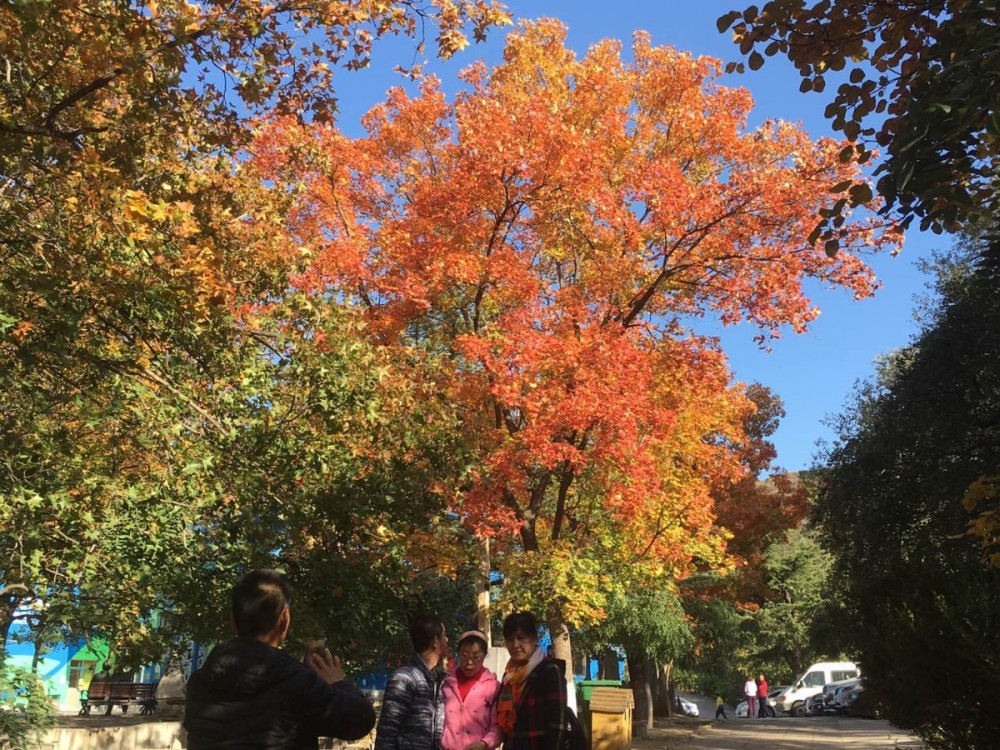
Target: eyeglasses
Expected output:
[471,655]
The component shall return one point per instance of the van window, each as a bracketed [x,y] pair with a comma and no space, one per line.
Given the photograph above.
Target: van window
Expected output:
[814,679]
[846,674]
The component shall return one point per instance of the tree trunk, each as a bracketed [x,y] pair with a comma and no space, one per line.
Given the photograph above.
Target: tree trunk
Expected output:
[36,657]
[6,620]
[562,648]
[668,676]
[9,601]
[798,663]
[483,600]
[642,719]
[610,669]
[649,672]
[661,694]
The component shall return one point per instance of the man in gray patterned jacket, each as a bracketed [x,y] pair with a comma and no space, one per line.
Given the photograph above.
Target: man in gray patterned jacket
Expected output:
[412,715]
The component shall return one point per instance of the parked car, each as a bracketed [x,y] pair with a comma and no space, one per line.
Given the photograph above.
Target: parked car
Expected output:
[685,707]
[741,707]
[793,699]
[848,696]
[832,690]
[859,702]
[814,705]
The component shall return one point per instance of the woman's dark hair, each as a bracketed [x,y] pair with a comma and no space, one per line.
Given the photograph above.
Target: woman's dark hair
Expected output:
[520,622]
[423,630]
[470,639]
[259,598]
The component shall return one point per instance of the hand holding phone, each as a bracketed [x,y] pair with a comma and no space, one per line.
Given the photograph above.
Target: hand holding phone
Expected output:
[326,665]
[313,646]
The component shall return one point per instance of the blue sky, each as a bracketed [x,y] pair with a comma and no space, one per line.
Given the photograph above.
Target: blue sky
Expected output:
[813,372]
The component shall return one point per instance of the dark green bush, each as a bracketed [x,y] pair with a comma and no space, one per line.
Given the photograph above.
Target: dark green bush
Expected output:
[922,600]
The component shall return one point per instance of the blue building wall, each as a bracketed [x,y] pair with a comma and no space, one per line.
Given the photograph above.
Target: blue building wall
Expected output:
[53,667]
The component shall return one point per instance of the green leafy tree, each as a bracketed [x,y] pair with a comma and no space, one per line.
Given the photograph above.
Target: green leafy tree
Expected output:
[168,413]
[778,634]
[718,662]
[799,570]
[126,245]
[650,626]
[26,711]
[918,78]
[921,601]
[130,505]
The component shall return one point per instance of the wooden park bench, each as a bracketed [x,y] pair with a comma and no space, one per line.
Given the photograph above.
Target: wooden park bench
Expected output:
[124,694]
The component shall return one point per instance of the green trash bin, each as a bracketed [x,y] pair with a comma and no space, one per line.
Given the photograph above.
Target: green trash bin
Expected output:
[586,687]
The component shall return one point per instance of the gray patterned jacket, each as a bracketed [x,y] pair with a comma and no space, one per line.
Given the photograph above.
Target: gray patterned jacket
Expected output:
[412,715]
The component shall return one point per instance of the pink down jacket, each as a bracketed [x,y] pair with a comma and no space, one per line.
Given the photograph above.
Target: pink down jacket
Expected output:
[474,719]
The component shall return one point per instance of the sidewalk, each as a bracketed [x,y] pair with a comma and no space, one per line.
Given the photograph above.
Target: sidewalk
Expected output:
[785,733]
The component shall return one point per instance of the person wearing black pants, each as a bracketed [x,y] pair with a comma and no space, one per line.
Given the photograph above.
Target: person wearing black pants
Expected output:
[720,708]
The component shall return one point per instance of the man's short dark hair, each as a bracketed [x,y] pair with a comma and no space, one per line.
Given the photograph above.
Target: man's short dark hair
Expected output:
[520,622]
[423,630]
[259,598]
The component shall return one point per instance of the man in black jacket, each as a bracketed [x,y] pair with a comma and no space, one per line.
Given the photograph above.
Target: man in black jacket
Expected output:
[249,695]
[412,716]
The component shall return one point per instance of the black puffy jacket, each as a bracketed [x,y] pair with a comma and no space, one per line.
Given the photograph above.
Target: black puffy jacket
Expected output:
[251,696]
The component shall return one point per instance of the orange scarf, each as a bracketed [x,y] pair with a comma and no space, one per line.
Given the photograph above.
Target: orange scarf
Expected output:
[514,678]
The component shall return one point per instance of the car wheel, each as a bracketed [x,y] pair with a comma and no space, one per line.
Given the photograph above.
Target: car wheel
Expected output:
[798,709]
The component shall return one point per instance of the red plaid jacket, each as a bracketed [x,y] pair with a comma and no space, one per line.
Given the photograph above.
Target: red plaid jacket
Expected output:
[540,718]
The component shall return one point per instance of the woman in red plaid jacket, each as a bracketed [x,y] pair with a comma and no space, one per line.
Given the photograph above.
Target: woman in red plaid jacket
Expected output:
[531,709]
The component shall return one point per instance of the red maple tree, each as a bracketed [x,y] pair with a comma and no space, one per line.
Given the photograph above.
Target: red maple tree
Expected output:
[555,232]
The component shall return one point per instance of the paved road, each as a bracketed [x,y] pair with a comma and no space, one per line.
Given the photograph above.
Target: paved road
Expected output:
[810,733]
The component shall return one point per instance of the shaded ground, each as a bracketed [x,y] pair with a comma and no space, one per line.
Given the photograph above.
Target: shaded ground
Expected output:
[679,733]
[99,720]
[670,733]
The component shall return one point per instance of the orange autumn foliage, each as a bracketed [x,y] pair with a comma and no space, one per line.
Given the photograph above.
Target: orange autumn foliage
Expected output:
[759,511]
[556,231]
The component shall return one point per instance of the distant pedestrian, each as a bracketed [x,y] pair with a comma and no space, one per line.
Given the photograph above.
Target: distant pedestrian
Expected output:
[750,691]
[720,708]
[763,709]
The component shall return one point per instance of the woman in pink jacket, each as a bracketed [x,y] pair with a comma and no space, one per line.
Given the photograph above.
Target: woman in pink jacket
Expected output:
[470,707]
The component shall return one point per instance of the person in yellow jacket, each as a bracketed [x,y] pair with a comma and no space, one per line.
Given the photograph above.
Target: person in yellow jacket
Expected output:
[720,708]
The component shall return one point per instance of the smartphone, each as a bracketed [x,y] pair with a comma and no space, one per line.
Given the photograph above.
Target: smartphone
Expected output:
[315,645]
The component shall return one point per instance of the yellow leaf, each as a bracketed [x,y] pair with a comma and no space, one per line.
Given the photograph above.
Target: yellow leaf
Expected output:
[158,211]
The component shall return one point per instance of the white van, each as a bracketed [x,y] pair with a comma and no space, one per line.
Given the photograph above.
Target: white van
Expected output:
[793,699]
